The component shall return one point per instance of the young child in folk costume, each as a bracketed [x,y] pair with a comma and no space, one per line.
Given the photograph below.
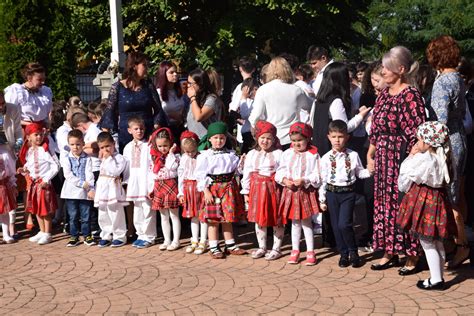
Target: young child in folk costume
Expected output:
[109,194]
[425,210]
[165,192]
[261,192]
[139,178]
[298,172]
[192,200]
[40,166]
[215,174]
[8,190]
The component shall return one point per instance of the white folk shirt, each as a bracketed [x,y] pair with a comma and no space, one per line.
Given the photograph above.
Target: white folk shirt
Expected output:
[170,169]
[340,169]
[187,166]
[108,189]
[299,165]
[34,106]
[62,139]
[421,168]
[41,164]
[214,162]
[265,163]
[7,165]
[90,136]
[74,178]
[139,173]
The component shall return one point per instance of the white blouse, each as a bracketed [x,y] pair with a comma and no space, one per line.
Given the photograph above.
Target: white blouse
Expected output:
[108,189]
[421,168]
[34,106]
[265,163]
[348,168]
[61,139]
[295,165]
[7,165]
[73,184]
[215,163]
[41,164]
[187,166]
[170,169]
[139,172]
[174,106]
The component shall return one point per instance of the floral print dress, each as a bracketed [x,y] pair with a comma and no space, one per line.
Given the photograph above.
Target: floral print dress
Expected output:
[393,133]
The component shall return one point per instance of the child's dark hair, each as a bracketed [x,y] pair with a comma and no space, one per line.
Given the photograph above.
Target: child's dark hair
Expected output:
[337,126]
[75,133]
[58,115]
[79,118]
[135,120]
[96,108]
[105,137]
[305,71]
[252,83]
[248,64]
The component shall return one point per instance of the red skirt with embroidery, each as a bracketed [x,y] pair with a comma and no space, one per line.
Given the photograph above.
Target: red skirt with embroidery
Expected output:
[165,194]
[232,203]
[264,201]
[426,212]
[7,197]
[193,200]
[40,201]
[299,204]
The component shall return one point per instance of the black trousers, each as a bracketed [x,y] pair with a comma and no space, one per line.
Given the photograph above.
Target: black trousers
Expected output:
[341,208]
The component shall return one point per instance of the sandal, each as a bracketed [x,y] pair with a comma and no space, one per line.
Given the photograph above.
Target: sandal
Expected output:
[236,251]
[273,255]
[191,248]
[294,257]
[201,248]
[454,264]
[259,253]
[216,253]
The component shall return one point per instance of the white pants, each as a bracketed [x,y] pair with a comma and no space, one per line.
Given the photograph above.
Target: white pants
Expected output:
[112,223]
[144,220]
[5,222]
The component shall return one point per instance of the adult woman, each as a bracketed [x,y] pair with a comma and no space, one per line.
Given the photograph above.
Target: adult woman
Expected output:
[205,106]
[448,103]
[171,95]
[398,111]
[134,95]
[279,101]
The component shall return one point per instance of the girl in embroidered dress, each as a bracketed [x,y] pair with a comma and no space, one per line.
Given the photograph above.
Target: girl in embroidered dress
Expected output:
[165,192]
[40,166]
[425,211]
[261,192]
[189,197]
[298,172]
[215,175]
[8,190]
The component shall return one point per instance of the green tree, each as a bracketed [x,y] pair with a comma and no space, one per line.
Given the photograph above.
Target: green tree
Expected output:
[37,31]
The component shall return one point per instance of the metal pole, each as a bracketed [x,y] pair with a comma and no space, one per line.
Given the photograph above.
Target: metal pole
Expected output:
[117,33]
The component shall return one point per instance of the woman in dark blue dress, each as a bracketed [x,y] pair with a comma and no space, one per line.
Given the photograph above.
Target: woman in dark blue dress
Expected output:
[134,95]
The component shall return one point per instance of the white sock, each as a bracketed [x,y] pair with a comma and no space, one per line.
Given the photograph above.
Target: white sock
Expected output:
[442,255]
[261,236]
[5,220]
[12,215]
[165,225]
[174,214]
[194,229]
[295,234]
[433,258]
[213,243]
[278,233]
[204,228]
[308,233]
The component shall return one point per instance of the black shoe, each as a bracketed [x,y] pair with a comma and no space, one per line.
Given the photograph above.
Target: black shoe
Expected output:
[73,242]
[408,271]
[392,262]
[437,286]
[355,260]
[344,262]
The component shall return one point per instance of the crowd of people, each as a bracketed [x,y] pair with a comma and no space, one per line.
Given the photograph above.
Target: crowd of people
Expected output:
[298,146]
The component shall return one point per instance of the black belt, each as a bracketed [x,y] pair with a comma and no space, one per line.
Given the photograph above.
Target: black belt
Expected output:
[226,177]
[340,189]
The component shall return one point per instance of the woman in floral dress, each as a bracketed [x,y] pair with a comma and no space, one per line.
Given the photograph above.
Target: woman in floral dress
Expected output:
[398,111]
[448,102]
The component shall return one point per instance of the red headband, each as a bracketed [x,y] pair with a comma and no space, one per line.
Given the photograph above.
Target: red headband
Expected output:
[189,134]
[36,127]
[263,127]
[307,132]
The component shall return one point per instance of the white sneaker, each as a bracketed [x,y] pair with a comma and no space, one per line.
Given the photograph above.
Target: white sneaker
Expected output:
[45,239]
[173,246]
[36,237]
[164,245]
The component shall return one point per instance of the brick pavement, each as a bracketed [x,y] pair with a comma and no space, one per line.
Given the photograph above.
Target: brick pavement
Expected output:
[56,280]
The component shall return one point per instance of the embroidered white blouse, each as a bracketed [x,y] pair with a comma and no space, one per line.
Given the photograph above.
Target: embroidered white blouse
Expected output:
[296,165]
[265,163]
[340,169]
[139,172]
[170,169]
[214,162]
[34,106]
[41,164]
[7,165]
[187,166]
[421,168]
[74,176]
[108,189]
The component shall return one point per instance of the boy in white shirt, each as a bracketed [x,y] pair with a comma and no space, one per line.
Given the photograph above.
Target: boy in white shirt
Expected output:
[77,189]
[339,169]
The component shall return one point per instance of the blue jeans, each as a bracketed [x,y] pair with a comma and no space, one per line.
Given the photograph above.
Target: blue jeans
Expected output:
[79,210]
[341,208]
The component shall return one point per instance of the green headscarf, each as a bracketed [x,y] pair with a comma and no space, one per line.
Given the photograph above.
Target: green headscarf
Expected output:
[213,129]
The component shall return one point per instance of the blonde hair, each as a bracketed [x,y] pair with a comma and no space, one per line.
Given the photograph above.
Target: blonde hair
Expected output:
[188,143]
[263,74]
[279,68]
[400,56]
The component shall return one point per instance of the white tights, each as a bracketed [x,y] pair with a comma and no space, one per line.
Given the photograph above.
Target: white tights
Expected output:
[195,223]
[5,221]
[308,234]
[436,256]
[166,227]
[278,232]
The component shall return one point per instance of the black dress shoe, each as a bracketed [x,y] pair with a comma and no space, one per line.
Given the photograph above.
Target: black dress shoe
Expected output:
[437,286]
[408,271]
[392,262]
[355,260]
[344,262]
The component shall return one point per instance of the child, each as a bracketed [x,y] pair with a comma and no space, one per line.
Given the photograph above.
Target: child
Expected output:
[261,191]
[339,169]
[139,180]
[95,111]
[425,211]
[109,194]
[189,197]
[298,172]
[39,167]
[7,189]
[78,182]
[215,168]
[165,192]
